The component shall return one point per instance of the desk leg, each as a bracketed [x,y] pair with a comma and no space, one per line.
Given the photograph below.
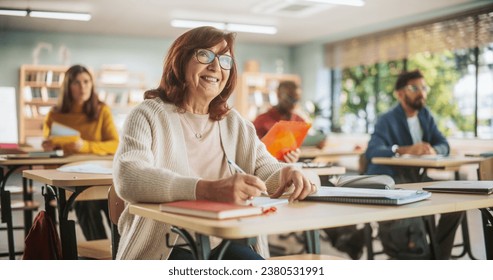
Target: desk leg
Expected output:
[312,241]
[67,228]
[6,210]
[488,231]
[28,213]
[203,246]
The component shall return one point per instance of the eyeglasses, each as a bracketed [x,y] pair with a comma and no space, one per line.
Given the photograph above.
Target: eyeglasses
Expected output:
[207,57]
[416,89]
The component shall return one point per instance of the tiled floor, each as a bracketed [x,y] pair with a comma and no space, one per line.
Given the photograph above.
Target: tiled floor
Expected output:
[291,245]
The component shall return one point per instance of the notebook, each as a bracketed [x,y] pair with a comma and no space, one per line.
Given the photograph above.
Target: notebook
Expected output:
[368,196]
[222,210]
[473,187]
[210,209]
[35,154]
[61,134]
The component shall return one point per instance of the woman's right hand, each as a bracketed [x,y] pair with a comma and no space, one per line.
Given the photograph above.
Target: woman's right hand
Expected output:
[237,188]
[48,145]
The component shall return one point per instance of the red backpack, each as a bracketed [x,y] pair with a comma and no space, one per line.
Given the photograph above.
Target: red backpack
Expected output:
[42,241]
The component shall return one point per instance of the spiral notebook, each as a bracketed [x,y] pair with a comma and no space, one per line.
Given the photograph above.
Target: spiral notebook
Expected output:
[368,196]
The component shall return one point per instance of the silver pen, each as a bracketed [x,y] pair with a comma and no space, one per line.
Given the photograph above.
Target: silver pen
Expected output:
[239,170]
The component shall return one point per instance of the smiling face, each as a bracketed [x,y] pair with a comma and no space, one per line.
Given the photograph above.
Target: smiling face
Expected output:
[205,81]
[81,88]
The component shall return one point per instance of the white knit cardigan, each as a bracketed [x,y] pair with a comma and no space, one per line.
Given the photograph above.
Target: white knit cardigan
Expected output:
[151,165]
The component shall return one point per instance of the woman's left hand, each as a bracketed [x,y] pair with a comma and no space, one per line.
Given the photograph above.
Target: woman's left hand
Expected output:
[74,147]
[292,176]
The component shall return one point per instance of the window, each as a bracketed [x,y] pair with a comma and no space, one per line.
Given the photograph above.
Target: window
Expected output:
[455,56]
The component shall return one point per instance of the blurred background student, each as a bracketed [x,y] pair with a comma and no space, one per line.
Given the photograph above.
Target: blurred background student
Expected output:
[288,95]
[78,107]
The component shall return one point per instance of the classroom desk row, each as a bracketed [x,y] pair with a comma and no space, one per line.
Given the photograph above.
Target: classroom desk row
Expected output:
[77,183]
[10,165]
[311,216]
[301,216]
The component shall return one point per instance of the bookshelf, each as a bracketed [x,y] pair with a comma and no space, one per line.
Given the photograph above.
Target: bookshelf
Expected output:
[257,92]
[39,86]
[120,89]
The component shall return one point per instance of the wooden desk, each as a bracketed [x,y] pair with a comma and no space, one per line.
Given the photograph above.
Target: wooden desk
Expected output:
[9,166]
[327,171]
[451,163]
[440,163]
[312,152]
[76,183]
[308,216]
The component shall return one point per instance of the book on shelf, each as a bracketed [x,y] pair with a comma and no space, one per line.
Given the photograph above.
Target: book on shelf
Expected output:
[28,95]
[471,187]
[34,111]
[44,94]
[368,196]
[285,136]
[210,209]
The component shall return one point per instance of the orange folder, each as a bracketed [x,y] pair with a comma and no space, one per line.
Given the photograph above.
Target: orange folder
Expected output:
[284,137]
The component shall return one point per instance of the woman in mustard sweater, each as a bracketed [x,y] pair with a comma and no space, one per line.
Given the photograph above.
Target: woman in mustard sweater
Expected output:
[78,107]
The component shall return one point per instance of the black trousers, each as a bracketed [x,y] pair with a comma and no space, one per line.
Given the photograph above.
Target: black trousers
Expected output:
[90,217]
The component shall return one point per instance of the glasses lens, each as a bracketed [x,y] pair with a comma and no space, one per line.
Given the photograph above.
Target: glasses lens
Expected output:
[226,62]
[416,89]
[205,56]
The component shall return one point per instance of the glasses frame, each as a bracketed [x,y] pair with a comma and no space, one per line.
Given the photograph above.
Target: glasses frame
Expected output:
[416,89]
[219,57]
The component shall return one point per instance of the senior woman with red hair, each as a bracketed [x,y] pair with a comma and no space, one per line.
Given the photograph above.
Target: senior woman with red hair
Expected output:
[177,143]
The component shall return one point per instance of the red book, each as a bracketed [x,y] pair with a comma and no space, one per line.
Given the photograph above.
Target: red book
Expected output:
[210,209]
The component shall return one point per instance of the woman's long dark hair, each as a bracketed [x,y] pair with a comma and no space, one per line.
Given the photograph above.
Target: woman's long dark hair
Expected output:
[172,87]
[91,107]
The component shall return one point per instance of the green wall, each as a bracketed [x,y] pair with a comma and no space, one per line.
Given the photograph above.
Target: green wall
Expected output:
[139,54]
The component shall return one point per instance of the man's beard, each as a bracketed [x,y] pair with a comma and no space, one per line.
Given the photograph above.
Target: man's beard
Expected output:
[417,104]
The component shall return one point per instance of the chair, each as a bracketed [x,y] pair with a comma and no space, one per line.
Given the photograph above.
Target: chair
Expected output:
[116,205]
[485,170]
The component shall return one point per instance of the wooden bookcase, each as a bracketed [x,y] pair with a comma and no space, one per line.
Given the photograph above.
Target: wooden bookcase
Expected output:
[257,92]
[39,87]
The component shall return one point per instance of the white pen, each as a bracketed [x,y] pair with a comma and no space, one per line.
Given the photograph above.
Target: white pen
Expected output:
[239,170]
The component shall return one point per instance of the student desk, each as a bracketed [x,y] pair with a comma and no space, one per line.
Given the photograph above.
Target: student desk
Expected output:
[445,163]
[310,216]
[75,183]
[313,152]
[327,171]
[8,166]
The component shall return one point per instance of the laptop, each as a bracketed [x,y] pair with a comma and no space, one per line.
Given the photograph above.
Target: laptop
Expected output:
[472,187]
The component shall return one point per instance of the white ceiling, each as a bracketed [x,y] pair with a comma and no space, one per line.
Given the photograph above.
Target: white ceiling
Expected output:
[151,18]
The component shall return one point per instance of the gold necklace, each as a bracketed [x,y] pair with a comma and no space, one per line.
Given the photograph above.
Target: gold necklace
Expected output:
[199,134]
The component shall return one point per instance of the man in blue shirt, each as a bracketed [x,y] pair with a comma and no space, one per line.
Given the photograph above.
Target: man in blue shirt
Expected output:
[409,128]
